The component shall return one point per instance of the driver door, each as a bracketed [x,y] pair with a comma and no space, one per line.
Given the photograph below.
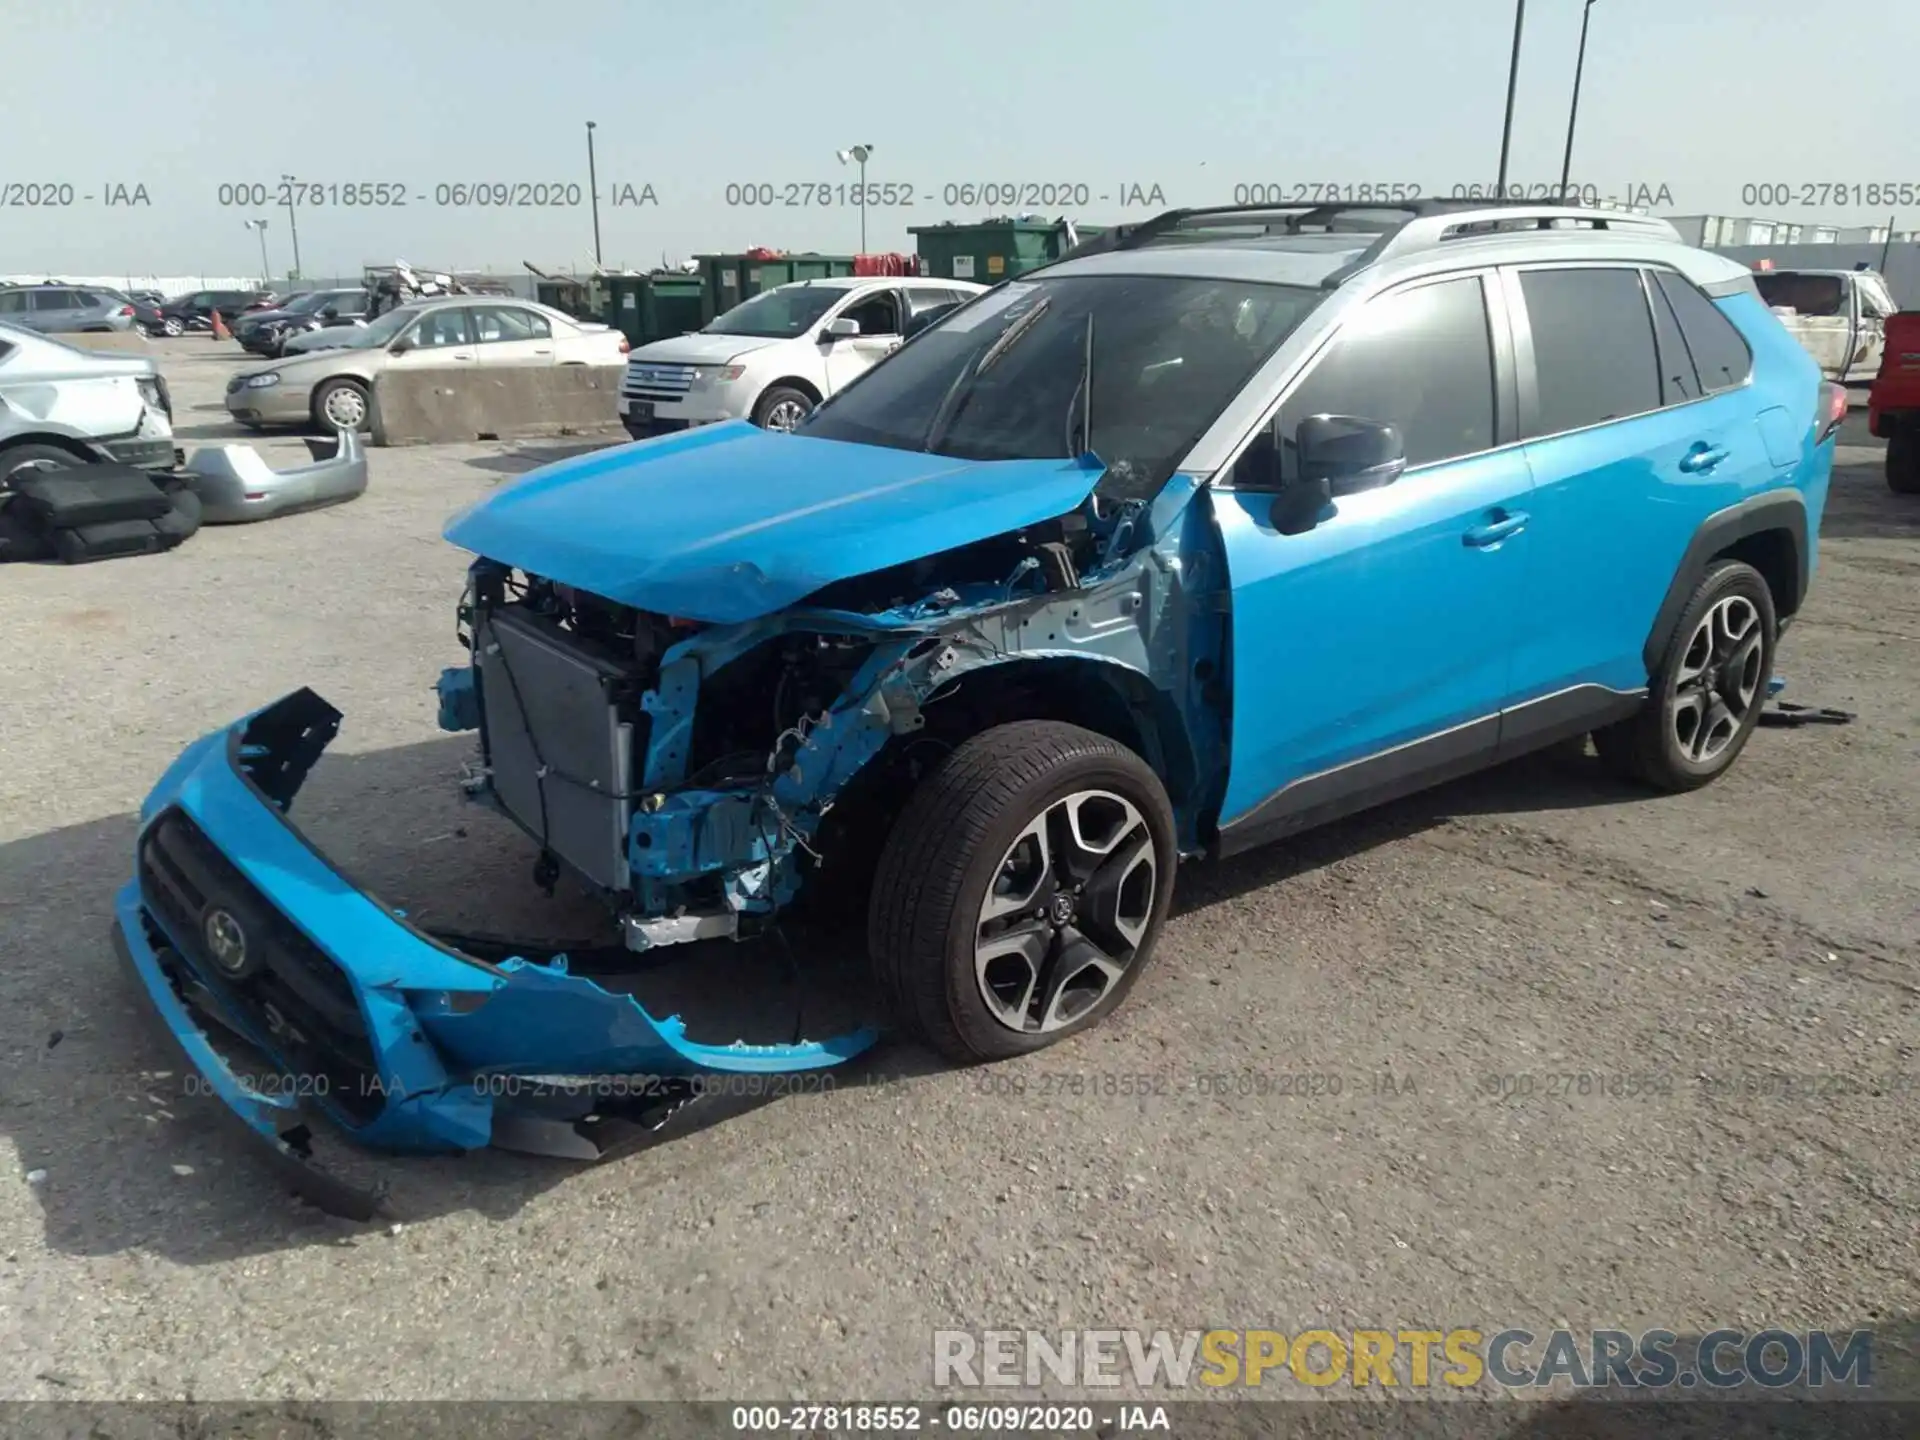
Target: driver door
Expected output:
[879,315]
[1370,653]
[440,337]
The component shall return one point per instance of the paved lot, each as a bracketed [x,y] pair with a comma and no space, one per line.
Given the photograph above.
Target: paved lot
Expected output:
[1532,924]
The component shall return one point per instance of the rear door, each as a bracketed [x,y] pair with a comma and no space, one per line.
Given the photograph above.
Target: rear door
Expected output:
[1636,431]
[1875,306]
[52,309]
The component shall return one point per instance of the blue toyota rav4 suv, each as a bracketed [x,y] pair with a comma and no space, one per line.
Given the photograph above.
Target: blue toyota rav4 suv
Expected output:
[1226,524]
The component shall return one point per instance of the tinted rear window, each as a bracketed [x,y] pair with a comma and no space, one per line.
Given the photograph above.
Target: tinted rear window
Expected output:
[1719,351]
[1592,346]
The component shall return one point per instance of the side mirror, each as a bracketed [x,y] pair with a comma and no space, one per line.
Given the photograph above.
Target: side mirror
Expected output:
[1350,453]
[400,346]
[329,312]
[839,329]
[1335,455]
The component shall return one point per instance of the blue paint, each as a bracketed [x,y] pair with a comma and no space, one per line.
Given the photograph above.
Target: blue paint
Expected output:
[434,1018]
[729,522]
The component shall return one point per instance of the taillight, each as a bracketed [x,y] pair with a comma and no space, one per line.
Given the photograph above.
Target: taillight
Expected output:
[625,345]
[126,310]
[1833,410]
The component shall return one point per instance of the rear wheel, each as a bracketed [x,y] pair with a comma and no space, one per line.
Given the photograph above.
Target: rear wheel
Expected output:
[781,408]
[1903,457]
[341,404]
[1708,693]
[1020,894]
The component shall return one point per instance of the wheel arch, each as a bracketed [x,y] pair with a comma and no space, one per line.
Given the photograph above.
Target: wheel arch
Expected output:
[79,446]
[792,382]
[1768,532]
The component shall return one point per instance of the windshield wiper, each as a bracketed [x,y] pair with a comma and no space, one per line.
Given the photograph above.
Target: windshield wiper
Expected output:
[954,401]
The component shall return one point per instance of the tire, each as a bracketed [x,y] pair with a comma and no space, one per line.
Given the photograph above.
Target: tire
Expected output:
[1903,458]
[172,326]
[970,826]
[341,386]
[25,457]
[1676,744]
[777,404]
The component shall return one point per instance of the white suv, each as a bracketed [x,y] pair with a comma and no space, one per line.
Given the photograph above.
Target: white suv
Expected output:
[773,358]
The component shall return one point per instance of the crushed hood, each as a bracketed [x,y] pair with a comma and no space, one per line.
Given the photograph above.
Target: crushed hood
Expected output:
[730,522]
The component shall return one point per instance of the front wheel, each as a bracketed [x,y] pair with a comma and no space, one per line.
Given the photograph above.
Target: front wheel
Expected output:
[781,408]
[1708,693]
[341,404]
[1022,889]
[1903,457]
[172,326]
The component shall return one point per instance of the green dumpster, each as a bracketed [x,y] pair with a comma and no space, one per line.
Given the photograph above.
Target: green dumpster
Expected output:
[729,279]
[990,251]
[646,308]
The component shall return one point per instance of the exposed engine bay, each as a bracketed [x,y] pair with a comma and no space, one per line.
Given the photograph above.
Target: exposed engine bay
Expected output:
[686,770]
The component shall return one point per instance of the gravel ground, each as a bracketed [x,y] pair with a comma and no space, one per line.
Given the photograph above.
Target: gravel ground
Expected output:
[1492,936]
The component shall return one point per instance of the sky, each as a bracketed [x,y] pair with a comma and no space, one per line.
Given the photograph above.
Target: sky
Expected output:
[152,131]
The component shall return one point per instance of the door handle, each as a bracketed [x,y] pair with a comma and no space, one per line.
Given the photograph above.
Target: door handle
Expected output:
[543,351]
[1504,524]
[1702,458]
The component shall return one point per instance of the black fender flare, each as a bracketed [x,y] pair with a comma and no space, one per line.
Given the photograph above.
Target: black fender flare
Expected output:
[1783,509]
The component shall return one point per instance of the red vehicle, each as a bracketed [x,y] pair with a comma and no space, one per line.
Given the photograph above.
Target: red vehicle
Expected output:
[1893,405]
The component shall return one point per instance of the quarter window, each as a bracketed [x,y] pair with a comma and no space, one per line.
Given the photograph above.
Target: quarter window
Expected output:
[1720,354]
[1420,360]
[1592,347]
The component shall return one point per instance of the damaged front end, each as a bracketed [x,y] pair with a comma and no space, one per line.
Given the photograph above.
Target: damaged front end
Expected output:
[702,775]
[239,930]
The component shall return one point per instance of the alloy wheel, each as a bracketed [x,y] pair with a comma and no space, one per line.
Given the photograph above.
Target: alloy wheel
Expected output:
[1718,681]
[786,415]
[1068,909]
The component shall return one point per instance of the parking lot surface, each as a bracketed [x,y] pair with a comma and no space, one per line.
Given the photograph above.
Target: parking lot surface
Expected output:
[1533,1049]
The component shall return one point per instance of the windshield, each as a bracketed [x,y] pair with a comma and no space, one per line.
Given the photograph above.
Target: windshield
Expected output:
[382,331]
[999,379]
[778,314]
[1804,294]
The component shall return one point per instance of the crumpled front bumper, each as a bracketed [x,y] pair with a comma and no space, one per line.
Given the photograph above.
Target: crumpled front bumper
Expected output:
[404,1041]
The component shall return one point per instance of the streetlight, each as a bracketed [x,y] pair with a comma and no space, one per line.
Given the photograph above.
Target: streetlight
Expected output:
[1573,113]
[261,226]
[859,154]
[292,225]
[593,190]
[1513,76]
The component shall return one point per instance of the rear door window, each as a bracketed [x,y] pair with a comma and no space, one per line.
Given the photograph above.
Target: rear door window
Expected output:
[1592,347]
[1720,354]
[53,300]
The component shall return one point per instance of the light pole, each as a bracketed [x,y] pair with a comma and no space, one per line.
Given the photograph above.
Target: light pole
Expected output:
[1573,112]
[261,225]
[1513,76]
[593,190]
[859,154]
[293,226]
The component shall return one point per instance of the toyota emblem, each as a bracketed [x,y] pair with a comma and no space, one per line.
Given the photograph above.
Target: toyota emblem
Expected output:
[226,941]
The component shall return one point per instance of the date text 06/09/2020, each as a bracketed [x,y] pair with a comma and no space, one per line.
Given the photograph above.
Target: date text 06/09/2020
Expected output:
[960,194]
[445,194]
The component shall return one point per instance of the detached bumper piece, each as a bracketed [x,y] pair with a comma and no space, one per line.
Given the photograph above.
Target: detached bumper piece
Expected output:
[236,485]
[404,1040]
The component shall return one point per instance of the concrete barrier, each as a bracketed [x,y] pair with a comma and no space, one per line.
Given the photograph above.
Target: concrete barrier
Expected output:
[122,342]
[507,402]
